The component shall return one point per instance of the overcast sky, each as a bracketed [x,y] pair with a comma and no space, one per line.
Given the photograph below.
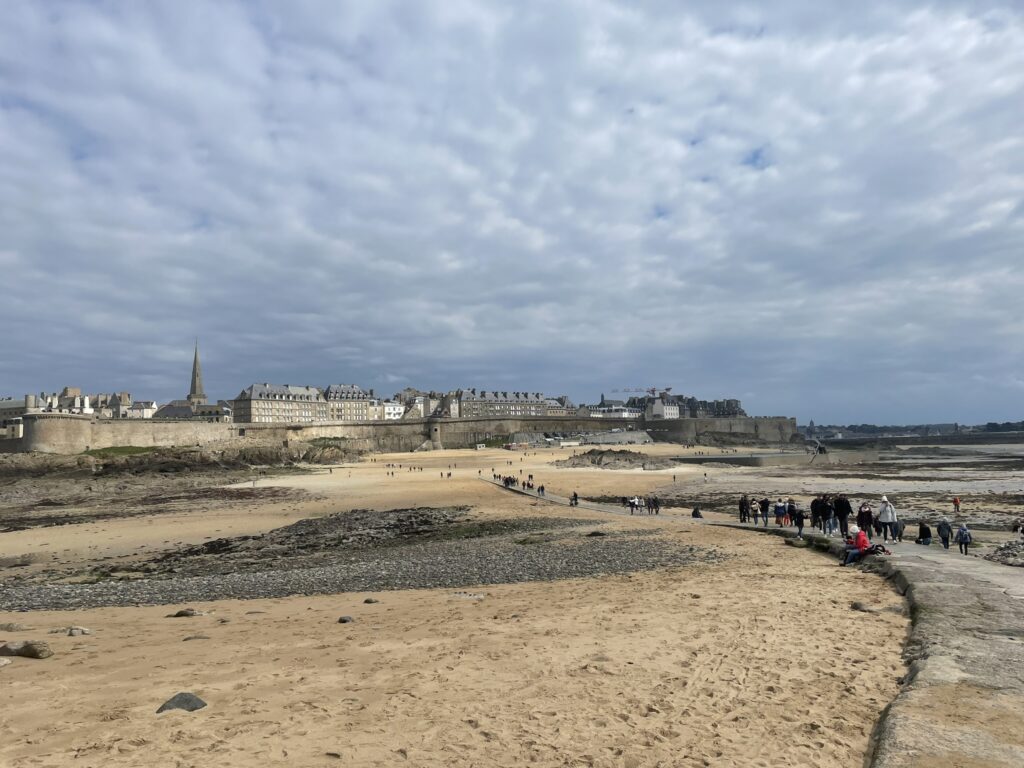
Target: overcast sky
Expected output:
[814,207]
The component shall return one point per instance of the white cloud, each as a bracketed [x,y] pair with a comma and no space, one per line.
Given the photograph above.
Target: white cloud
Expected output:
[779,199]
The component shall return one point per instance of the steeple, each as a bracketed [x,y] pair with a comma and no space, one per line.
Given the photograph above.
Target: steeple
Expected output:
[196,396]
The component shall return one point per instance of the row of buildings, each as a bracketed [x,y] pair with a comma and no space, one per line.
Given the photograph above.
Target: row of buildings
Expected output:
[663,405]
[108,405]
[287,403]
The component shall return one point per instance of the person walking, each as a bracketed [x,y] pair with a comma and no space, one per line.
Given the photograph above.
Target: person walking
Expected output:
[887,517]
[963,538]
[843,512]
[897,530]
[865,519]
[780,512]
[796,516]
[829,516]
[744,508]
[945,531]
[816,507]
[956,505]
[764,504]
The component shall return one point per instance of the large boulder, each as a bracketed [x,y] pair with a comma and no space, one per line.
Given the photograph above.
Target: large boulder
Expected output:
[29,649]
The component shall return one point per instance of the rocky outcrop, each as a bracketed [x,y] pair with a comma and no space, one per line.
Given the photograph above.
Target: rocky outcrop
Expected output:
[615,459]
[1010,553]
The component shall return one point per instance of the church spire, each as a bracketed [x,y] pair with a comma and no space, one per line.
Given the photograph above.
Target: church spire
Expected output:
[196,396]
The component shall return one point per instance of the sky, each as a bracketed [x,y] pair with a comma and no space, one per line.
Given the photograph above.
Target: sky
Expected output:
[817,208]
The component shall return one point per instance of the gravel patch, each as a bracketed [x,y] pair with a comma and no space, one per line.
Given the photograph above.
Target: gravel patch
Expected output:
[438,564]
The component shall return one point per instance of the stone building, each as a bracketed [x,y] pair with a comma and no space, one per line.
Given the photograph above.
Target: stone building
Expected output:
[615,409]
[348,402]
[121,406]
[667,406]
[493,403]
[560,406]
[279,403]
[417,404]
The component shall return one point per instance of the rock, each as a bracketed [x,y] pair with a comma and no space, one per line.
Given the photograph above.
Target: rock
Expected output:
[9,627]
[345,620]
[196,637]
[371,600]
[186,701]
[1010,553]
[859,606]
[78,631]
[223,620]
[5,662]
[30,649]
[597,533]
[185,613]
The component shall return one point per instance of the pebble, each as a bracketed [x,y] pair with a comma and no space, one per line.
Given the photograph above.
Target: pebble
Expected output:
[345,620]
[196,637]
[371,600]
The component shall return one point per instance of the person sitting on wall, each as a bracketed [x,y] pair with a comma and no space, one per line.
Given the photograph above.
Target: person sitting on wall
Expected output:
[696,512]
[856,546]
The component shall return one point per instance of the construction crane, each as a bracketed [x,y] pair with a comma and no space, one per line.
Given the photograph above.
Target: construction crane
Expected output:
[652,391]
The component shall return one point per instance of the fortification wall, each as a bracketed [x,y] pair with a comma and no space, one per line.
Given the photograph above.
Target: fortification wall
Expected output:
[769,429]
[465,433]
[66,433]
[361,436]
[63,433]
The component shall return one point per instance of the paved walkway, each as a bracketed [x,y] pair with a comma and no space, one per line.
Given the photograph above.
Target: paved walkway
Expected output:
[962,702]
[610,509]
[963,697]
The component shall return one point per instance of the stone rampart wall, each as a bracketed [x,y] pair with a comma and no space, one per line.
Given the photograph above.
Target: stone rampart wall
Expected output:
[770,429]
[68,434]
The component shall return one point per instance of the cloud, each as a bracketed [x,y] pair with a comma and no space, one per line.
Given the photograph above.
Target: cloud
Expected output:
[817,209]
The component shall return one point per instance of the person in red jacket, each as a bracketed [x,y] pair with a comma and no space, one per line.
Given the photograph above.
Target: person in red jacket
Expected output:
[856,545]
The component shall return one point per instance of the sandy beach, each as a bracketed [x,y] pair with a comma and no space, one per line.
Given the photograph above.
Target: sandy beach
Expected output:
[753,659]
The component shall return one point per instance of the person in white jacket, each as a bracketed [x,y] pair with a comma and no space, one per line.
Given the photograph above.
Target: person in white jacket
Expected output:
[887,517]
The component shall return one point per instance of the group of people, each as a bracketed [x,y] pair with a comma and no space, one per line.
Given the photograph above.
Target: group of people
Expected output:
[650,504]
[511,481]
[833,515]
[786,512]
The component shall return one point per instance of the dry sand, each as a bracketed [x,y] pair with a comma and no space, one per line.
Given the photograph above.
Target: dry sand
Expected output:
[757,660]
